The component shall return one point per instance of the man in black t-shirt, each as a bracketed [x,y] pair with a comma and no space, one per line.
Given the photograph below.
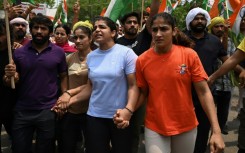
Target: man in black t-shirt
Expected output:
[209,49]
[139,42]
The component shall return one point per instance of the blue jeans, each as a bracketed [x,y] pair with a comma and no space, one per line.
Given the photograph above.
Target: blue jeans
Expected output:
[29,121]
[101,132]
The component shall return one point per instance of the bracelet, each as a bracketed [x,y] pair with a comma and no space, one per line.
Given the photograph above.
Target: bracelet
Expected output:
[131,112]
[67,93]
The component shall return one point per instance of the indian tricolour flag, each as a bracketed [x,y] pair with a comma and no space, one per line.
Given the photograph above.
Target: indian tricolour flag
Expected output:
[116,8]
[206,5]
[166,6]
[226,7]
[63,15]
[235,21]
[214,11]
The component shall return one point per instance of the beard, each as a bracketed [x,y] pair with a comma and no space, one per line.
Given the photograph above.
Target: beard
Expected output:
[40,41]
[219,33]
[20,34]
[131,31]
[198,28]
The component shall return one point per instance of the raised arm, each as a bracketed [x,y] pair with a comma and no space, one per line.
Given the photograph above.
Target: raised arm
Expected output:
[76,11]
[154,10]
[228,65]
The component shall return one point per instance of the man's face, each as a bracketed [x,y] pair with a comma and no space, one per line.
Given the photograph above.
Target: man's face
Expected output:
[218,30]
[242,25]
[145,18]
[198,24]
[131,26]
[19,30]
[40,34]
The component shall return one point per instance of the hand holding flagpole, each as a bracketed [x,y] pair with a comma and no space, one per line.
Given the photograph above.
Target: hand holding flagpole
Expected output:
[8,39]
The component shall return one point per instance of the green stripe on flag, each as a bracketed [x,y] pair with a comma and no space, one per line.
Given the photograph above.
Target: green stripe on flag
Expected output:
[118,8]
[32,2]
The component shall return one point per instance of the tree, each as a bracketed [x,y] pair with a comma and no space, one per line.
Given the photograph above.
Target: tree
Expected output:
[50,3]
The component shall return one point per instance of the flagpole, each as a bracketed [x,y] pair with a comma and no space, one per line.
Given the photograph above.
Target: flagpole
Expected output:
[227,11]
[8,39]
[132,7]
[142,13]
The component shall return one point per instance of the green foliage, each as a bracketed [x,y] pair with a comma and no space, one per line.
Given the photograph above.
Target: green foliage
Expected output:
[50,3]
[93,8]
[181,11]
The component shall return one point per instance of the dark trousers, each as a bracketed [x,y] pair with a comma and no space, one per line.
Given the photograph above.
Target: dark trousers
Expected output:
[71,129]
[26,123]
[136,122]
[101,132]
[241,131]
[6,121]
[202,130]
[222,100]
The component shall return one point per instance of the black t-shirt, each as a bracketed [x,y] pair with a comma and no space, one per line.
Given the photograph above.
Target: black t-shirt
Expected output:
[139,44]
[209,49]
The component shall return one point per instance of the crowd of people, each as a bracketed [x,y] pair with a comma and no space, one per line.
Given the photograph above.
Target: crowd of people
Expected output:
[86,85]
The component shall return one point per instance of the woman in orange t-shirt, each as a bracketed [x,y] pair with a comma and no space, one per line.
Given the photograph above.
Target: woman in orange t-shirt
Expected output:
[165,74]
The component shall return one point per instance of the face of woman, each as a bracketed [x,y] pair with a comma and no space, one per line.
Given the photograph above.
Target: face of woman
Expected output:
[60,36]
[81,40]
[162,33]
[102,33]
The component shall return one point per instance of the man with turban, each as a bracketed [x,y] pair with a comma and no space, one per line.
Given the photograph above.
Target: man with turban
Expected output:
[223,85]
[19,31]
[237,57]
[209,49]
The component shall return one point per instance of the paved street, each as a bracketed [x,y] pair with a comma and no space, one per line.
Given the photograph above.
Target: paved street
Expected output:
[230,139]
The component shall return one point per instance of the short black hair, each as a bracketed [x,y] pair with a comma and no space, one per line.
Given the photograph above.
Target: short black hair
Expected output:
[146,13]
[126,16]
[110,23]
[42,19]
[168,18]
[65,27]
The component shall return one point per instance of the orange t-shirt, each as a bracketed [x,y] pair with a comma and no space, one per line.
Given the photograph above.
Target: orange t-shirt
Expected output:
[169,77]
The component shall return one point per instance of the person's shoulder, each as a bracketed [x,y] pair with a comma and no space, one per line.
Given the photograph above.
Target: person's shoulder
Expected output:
[120,39]
[23,48]
[56,47]
[185,50]
[122,48]
[213,38]
[146,55]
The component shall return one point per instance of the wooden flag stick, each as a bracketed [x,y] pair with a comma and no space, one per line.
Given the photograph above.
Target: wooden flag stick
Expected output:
[8,40]
[227,11]
[142,14]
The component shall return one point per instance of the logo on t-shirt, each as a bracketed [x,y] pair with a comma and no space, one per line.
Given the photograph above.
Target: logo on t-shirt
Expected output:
[183,69]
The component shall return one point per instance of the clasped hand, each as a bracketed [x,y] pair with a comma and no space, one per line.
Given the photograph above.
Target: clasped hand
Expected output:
[121,118]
